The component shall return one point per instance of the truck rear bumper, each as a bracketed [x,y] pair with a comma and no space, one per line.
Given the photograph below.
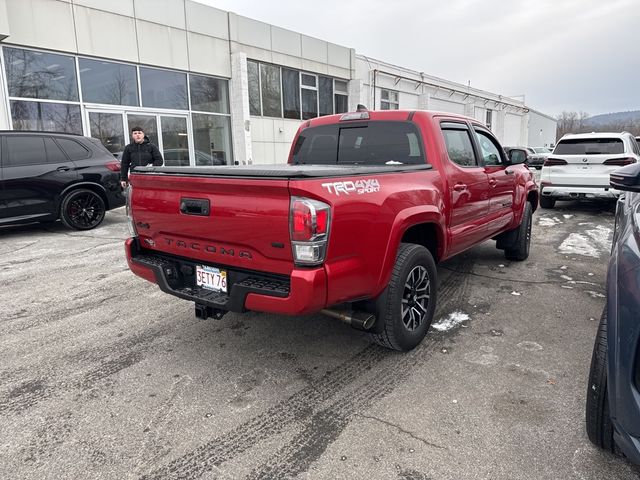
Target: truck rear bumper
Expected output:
[304,291]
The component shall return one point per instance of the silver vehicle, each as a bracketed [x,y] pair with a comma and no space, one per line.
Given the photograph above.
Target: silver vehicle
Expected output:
[580,165]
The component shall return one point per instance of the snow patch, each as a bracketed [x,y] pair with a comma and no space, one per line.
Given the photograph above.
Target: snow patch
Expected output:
[549,222]
[590,244]
[567,216]
[453,320]
[517,294]
[595,294]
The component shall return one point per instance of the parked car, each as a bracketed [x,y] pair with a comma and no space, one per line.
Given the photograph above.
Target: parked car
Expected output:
[535,155]
[580,165]
[419,186]
[48,176]
[613,394]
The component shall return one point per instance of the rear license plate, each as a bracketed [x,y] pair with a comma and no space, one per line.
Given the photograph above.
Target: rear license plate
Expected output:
[211,278]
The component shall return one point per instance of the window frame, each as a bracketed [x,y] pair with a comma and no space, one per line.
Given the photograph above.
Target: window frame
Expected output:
[390,104]
[301,74]
[501,153]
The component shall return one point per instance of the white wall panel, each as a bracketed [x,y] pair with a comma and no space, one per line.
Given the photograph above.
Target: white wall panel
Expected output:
[315,67]
[164,12]
[209,55]
[286,60]
[512,128]
[281,153]
[249,32]
[314,49]
[338,72]
[103,34]
[42,23]
[162,46]
[480,113]
[339,56]
[286,41]
[446,106]
[541,131]
[207,20]
[121,7]
[4,20]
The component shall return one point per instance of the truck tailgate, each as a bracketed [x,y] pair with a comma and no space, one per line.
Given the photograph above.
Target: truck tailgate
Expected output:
[239,222]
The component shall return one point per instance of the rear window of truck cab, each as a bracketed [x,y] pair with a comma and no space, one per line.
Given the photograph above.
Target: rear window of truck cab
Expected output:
[362,143]
[589,146]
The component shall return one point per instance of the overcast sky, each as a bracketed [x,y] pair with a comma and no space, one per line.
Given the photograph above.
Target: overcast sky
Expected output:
[573,55]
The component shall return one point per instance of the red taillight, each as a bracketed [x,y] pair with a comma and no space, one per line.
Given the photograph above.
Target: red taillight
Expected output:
[620,161]
[309,219]
[302,224]
[309,229]
[113,165]
[322,217]
[550,162]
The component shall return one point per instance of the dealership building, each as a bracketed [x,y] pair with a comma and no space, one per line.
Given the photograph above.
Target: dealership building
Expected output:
[208,86]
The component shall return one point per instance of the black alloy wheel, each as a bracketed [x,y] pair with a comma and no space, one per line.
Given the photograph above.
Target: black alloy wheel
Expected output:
[82,210]
[405,309]
[415,299]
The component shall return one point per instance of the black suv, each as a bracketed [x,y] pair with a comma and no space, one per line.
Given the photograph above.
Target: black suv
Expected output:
[47,176]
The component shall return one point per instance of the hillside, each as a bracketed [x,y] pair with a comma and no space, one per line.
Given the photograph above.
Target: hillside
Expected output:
[616,118]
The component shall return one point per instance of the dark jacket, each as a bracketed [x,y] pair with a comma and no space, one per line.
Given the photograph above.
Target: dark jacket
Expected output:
[139,155]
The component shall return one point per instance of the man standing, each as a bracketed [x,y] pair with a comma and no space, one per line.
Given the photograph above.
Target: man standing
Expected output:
[139,153]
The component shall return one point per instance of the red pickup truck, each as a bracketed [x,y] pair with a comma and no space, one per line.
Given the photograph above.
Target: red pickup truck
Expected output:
[367,204]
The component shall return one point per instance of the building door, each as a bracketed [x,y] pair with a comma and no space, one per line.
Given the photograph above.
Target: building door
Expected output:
[175,140]
[148,123]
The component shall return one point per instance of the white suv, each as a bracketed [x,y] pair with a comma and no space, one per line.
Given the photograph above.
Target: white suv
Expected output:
[580,165]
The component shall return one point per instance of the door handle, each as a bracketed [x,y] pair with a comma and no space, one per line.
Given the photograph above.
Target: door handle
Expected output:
[194,206]
[509,172]
[492,182]
[459,187]
[63,169]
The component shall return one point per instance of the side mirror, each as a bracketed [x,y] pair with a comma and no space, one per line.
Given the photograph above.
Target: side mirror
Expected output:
[626,178]
[517,156]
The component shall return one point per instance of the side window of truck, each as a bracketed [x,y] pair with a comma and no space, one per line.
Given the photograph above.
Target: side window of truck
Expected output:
[489,150]
[458,143]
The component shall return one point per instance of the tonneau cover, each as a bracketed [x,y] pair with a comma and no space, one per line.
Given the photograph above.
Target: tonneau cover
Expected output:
[282,171]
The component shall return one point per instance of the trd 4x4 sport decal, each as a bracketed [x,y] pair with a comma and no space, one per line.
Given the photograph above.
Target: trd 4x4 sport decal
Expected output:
[359,187]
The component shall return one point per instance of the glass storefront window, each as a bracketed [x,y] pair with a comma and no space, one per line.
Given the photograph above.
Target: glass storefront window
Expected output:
[175,140]
[45,76]
[211,139]
[148,123]
[108,128]
[270,82]
[50,117]
[208,94]
[309,104]
[108,82]
[254,88]
[325,91]
[163,89]
[291,93]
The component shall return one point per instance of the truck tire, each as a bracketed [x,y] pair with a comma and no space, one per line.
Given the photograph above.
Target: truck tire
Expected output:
[599,427]
[405,309]
[520,249]
[82,209]
[547,202]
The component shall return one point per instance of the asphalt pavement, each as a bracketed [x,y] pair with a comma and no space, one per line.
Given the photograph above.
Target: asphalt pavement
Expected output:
[103,376]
